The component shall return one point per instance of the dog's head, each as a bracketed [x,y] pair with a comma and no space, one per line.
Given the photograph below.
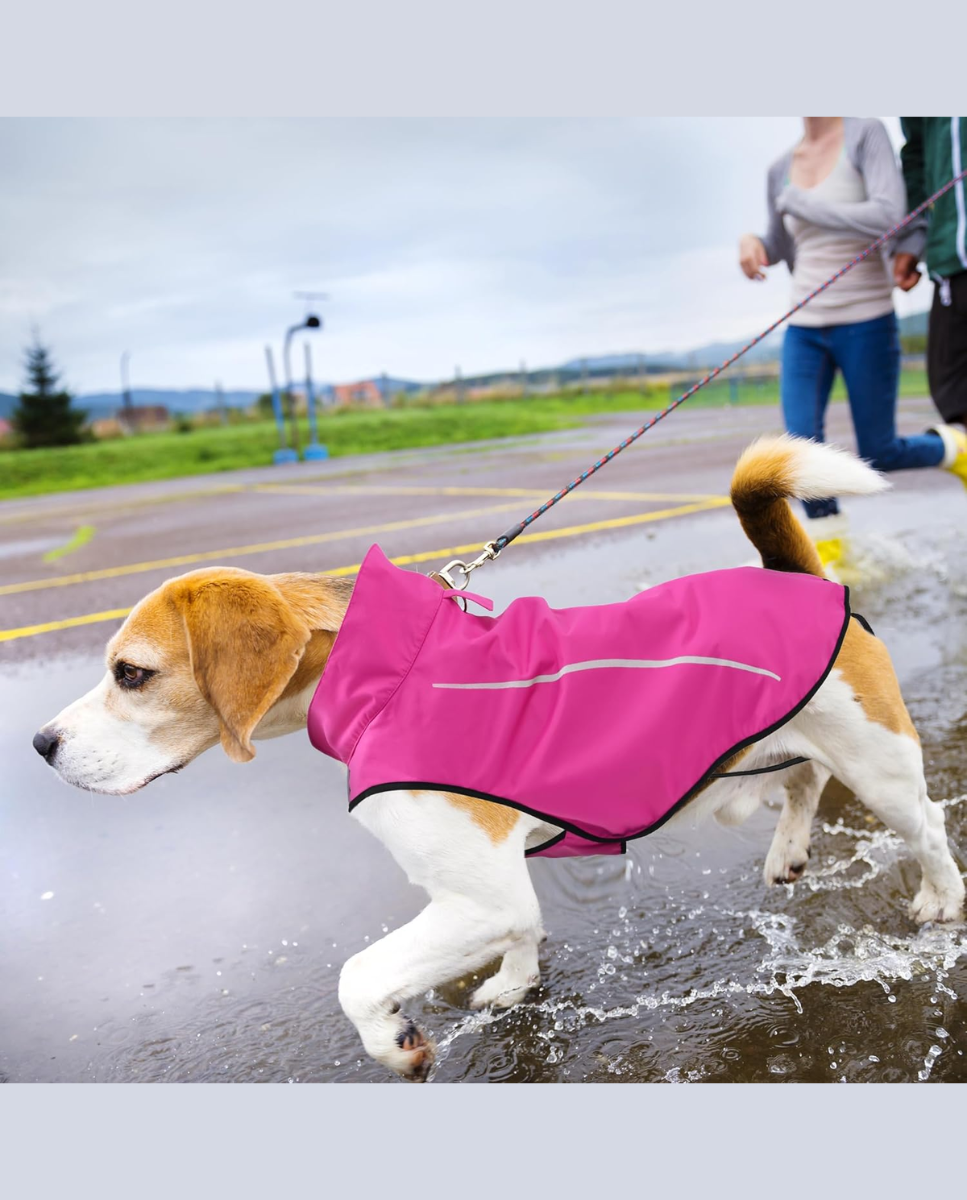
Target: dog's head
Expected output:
[212,656]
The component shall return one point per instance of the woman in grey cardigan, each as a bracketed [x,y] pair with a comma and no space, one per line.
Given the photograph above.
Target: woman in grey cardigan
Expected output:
[836,191]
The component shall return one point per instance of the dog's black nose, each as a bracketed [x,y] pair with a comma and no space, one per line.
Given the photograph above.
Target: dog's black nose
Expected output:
[46,744]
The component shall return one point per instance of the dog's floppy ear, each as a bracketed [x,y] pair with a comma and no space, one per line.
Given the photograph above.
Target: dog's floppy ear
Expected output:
[245,643]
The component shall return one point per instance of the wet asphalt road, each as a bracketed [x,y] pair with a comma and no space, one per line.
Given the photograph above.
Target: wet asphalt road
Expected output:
[195,931]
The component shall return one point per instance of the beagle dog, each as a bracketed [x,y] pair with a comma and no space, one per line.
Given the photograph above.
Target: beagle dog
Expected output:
[225,655]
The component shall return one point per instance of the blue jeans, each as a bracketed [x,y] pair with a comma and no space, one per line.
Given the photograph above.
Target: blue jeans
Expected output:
[868,354]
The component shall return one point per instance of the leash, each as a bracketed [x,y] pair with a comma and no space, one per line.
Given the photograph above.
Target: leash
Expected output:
[492,549]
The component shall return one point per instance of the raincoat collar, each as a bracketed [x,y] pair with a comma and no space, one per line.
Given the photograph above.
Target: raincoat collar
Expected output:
[376,645]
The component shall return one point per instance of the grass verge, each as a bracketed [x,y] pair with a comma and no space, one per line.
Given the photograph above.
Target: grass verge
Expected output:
[346,432]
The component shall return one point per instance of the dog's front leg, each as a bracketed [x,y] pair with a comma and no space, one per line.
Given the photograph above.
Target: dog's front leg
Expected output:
[450,937]
[482,906]
[519,973]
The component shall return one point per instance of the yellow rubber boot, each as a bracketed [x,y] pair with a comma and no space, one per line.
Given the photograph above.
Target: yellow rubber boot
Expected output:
[954,440]
[831,538]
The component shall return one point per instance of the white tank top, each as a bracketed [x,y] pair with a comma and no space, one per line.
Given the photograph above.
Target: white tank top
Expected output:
[867,291]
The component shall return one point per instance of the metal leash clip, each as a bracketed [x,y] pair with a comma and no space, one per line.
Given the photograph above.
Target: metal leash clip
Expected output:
[445,576]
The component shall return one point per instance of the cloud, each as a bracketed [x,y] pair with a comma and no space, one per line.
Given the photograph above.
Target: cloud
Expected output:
[477,243]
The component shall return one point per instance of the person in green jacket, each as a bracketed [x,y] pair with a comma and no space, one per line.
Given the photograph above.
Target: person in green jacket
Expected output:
[936,151]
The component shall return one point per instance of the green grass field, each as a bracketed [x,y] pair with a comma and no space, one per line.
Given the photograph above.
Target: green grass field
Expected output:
[345,432]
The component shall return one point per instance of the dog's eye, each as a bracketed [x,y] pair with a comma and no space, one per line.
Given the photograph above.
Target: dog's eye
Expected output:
[129,676]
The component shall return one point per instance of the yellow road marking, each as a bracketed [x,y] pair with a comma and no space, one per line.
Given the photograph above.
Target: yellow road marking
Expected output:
[25,631]
[300,489]
[184,560]
[85,503]
[402,560]
[82,536]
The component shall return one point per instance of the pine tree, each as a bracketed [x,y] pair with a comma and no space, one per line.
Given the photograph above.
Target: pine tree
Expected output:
[45,416]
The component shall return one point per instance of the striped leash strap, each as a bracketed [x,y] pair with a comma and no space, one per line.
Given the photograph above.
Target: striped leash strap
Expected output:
[492,549]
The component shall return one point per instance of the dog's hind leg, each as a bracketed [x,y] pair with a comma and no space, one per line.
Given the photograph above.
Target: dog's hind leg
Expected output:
[883,766]
[789,852]
[482,906]
[941,895]
[903,805]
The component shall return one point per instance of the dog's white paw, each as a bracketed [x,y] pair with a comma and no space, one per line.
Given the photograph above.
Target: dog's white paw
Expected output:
[501,992]
[413,1053]
[931,905]
[786,861]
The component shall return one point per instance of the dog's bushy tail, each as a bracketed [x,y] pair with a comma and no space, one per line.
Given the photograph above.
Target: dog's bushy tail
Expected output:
[774,470]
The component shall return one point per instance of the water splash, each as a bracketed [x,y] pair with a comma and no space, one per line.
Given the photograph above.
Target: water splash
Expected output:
[789,965]
[932,1055]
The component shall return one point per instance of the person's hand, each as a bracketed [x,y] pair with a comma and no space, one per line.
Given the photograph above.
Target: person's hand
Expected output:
[752,257]
[905,273]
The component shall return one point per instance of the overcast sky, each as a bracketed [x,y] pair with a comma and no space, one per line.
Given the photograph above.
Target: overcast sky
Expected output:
[480,243]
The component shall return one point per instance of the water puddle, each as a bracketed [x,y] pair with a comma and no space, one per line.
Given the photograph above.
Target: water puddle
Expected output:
[780,957]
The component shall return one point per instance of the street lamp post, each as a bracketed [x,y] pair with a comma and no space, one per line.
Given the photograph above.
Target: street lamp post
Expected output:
[283,454]
[314,450]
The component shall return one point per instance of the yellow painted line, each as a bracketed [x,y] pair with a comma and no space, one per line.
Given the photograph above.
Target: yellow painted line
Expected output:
[184,560]
[660,514]
[81,537]
[25,631]
[84,503]
[301,489]
[402,560]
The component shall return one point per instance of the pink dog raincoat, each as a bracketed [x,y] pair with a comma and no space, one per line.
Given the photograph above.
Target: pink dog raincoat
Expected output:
[601,720]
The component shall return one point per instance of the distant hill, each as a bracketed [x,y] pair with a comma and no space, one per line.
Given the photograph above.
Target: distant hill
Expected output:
[194,400]
[914,325]
[673,360]
[188,400]
[106,404]
[393,384]
[768,350]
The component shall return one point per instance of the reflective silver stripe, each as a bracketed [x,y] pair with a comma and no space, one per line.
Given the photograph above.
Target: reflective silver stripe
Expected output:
[597,664]
[961,242]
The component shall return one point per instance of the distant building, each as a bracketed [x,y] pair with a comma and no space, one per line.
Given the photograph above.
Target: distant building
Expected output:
[143,418]
[106,427]
[366,392]
[503,389]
